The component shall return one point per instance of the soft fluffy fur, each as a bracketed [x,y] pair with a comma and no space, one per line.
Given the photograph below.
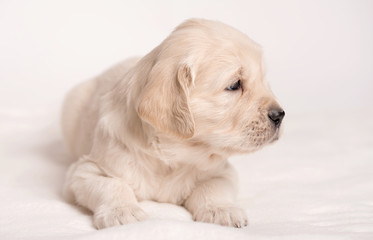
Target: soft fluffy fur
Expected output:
[162,127]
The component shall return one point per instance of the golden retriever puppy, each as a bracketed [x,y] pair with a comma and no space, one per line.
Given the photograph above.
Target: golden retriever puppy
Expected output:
[161,127]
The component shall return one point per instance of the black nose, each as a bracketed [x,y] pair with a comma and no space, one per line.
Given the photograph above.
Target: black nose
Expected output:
[276,116]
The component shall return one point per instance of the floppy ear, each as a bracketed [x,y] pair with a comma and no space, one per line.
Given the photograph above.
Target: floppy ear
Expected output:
[164,100]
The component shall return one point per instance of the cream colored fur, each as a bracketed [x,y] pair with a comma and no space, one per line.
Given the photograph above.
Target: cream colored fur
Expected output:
[162,127]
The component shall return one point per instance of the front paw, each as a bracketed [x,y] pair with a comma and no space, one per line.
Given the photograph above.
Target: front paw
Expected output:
[226,215]
[113,216]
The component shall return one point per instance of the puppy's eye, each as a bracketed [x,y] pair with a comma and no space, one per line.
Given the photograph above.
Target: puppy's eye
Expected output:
[235,86]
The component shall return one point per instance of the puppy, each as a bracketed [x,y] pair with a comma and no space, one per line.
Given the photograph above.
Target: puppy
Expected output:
[161,127]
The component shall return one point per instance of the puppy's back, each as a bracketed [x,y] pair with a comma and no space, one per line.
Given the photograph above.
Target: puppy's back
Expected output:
[80,111]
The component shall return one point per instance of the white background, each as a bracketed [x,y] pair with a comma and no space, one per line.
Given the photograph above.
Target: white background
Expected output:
[319,54]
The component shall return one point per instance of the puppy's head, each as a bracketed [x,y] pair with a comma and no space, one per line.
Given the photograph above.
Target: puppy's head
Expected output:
[207,85]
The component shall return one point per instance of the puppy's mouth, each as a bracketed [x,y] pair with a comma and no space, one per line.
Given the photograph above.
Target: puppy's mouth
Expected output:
[257,135]
[276,136]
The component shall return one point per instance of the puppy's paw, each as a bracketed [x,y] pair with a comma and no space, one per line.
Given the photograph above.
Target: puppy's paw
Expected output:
[226,215]
[113,216]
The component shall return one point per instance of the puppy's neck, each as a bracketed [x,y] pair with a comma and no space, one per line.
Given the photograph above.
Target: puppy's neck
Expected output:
[176,153]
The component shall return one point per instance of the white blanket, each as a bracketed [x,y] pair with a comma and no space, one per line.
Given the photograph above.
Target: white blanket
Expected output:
[315,183]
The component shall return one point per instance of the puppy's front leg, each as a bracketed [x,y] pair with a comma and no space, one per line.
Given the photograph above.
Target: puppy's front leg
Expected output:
[111,199]
[212,201]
